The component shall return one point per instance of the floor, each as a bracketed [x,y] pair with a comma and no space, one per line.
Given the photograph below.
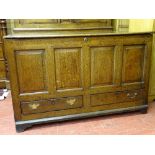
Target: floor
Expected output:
[122,124]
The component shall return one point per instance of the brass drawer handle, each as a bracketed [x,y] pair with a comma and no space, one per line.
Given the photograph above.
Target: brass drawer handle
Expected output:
[34,106]
[71,101]
[132,95]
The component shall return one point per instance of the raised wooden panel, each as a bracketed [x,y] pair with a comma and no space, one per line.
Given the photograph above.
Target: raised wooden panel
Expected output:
[102,65]
[31,70]
[133,64]
[2,70]
[68,68]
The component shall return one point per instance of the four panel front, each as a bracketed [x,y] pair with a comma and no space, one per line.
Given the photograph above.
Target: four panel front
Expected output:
[57,77]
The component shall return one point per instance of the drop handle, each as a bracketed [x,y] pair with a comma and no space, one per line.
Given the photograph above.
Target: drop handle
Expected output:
[52,101]
[34,106]
[132,95]
[71,101]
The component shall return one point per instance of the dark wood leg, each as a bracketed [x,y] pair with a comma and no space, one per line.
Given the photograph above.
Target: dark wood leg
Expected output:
[144,111]
[21,128]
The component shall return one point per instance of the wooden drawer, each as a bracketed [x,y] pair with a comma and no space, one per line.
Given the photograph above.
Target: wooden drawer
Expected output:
[117,97]
[1,52]
[2,70]
[51,105]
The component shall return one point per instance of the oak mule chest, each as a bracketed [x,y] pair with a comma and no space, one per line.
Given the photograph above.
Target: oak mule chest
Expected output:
[56,78]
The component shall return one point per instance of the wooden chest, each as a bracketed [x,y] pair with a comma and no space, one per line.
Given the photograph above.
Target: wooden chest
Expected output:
[55,78]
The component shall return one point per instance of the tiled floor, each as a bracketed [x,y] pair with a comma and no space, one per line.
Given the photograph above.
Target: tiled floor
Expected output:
[128,124]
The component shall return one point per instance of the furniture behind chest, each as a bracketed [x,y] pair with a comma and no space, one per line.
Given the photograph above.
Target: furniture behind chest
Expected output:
[61,77]
[3,63]
[59,26]
[152,73]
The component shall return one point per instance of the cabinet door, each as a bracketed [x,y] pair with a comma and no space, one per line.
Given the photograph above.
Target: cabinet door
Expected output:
[135,63]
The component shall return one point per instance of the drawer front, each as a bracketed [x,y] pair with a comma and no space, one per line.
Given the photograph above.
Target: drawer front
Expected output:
[1,52]
[117,97]
[51,105]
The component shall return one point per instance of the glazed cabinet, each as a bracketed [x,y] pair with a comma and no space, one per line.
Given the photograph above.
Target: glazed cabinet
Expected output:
[63,78]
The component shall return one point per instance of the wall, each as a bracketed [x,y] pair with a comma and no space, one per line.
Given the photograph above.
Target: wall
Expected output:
[141,25]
